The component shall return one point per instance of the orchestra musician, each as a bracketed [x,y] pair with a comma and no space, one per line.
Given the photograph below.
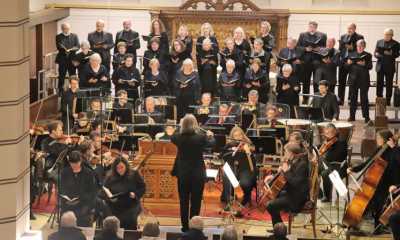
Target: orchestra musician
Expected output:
[327,67]
[187,87]
[206,31]
[52,145]
[77,189]
[69,101]
[122,191]
[154,115]
[95,113]
[119,57]
[154,51]
[334,157]
[127,77]
[95,75]
[271,116]
[229,83]
[130,37]
[157,31]
[256,78]
[296,191]
[386,51]
[311,41]
[288,88]
[81,57]
[359,63]
[293,55]
[238,154]
[230,52]
[189,167]
[347,45]
[207,62]
[390,177]
[102,42]
[122,109]
[223,116]
[327,101]
[266,36]
[168,132]
[183,36]
[67,44]
[155,80]
[178,54]
[253,106]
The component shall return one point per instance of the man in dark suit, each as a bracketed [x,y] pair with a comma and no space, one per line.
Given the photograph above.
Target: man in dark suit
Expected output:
[311,41]
[189,167]
[347,45]
[292,55]
[130,37]
[67,44]
[327,67]
[386,51]
[327,101]
[101,42]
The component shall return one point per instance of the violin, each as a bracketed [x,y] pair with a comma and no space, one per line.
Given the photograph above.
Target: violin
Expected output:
[327,145]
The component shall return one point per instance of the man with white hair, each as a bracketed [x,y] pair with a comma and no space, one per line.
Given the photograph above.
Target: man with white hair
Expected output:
[326,69]
[292,55]
[68,229]
[101,42]
[67,44]
[230,233]
[130,37]
[196,230]
[386,51]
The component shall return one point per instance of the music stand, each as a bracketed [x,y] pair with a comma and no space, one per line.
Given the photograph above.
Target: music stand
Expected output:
[264,145]
[309,113]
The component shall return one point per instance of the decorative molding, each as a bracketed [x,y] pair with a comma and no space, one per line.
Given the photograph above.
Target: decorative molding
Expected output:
[15,218]
[14,102]
[345,12]
[16,179]
[14,141]
[220,5]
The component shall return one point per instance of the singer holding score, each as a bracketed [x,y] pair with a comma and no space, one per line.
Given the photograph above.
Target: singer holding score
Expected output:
[189,166]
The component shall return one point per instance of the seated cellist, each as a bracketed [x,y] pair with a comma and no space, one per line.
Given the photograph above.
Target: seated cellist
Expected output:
[390,176]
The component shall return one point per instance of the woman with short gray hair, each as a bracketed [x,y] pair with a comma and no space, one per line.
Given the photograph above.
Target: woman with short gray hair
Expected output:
[111,225]
[95,75]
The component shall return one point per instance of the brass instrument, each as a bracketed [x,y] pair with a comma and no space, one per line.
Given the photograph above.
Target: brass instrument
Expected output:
[203,110]
[248,106]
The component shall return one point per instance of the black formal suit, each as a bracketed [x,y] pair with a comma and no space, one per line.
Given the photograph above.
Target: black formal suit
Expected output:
[391,176]
[125,208]
[359,80]
[318,39]
[132,40]
[67,102]
[67,233]
[329,105]
[386,66]
[289,56]
[64,58]
[186,94]
[335,159]
[327,70]
[347,45]
[122,114]
[102,43]
[88,73]
[295,193]
[189,168]
[127,73]
[83,186]
[229,86]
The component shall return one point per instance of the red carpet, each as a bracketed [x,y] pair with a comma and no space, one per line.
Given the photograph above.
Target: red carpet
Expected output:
[208,210]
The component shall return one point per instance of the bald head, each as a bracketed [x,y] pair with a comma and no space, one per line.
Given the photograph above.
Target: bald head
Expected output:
[197,223]
[68,219]
[100,25]
[127,24]
[65,28]
[351,28]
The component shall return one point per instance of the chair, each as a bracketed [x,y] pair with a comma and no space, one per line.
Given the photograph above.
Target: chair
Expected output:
[310,207]
[173,236]
[132,235]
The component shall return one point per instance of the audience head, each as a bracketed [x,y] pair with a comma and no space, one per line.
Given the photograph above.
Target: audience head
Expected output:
[111,224]
[68,220]
[188,124]
[151,229]
[280,230]
[230,233]
[388,34]
[196,223]
[100,25]
[351,28]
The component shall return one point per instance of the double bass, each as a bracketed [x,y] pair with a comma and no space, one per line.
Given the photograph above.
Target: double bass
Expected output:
[374,170]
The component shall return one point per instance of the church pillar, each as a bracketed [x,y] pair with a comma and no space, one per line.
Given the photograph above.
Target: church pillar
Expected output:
[14,117]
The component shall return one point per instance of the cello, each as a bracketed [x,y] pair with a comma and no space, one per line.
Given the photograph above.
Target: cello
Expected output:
[372,175]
